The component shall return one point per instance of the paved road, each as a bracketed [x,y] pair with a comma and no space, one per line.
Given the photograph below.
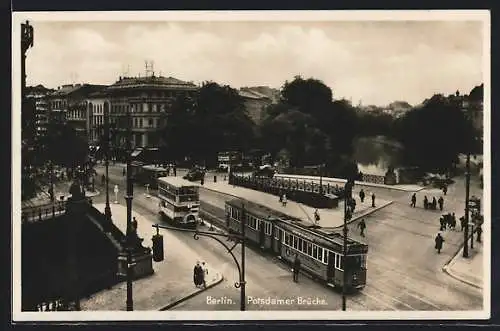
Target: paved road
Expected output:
[404,271]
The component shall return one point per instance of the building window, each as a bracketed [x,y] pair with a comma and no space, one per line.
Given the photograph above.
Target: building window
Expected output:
[154,107]
[150,122]
[140,122]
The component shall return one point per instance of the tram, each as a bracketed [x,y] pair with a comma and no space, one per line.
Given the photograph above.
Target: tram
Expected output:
[321,254]
[179,201]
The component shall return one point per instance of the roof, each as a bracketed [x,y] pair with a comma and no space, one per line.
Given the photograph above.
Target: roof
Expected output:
[252,94]
[68,89]
[152,81]
[176,181]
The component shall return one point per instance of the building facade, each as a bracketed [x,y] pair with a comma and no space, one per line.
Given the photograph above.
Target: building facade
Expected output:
[95,116]
[256,100]
[71,103]
[148,100]
[38,94]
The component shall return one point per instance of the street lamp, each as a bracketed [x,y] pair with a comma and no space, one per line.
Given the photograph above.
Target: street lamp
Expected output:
[128,197]
[347,196]
[241,284]
[107,209]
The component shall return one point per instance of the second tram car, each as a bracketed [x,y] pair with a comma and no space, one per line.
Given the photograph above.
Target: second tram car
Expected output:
[179,201]
[321,255]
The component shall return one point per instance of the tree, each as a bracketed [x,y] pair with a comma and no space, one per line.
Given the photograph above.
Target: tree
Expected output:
[434,134]
[214,121]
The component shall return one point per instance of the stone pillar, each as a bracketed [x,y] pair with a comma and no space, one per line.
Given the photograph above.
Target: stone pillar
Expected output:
[76,210]
[144,139]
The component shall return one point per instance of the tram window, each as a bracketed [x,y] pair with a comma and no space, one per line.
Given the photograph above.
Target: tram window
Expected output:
[309,249]
[277,233]
[315,251]
[300,244]
[363,261]
[287,238]
[268,228]
[295,242]
[325,256]
[320,254]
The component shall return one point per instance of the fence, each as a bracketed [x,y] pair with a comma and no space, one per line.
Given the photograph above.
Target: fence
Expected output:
[43,212]
[302,191]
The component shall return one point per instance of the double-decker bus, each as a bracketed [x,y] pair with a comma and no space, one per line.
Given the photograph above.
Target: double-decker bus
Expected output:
[179,201]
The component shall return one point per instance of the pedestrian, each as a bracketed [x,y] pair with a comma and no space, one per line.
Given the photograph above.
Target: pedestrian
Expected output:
[296,268]
[316,216]
[197,271]
[103,179]
[204,268]
[353,205]
[281,198]
[413,200]
[175,171]
[479,232]
[445,189]
[283,201]
[463,223]
[362,227]
[362,195]
[453,221]
[123,172]
[426,202]
[442,222]
[373,200]
[439,243]
[441,202]
[434,203]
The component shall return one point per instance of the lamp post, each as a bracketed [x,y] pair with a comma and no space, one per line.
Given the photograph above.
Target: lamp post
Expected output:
[241,283]
[467,189]
[128,197]
[107,209]
[347,196]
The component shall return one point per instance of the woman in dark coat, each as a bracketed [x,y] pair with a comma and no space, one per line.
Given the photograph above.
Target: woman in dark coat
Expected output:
[197,272]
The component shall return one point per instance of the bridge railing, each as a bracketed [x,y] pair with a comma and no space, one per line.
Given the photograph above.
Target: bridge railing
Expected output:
[43,212]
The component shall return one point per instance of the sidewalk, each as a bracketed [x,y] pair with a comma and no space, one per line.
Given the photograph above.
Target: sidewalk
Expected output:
[340,181]
[172,281]
[330,218]
[467,270]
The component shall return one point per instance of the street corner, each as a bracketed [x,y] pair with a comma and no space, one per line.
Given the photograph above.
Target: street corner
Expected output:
[211,282]
[466,270]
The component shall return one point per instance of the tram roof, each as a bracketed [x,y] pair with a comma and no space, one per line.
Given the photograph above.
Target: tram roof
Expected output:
[176,181]
[298,227]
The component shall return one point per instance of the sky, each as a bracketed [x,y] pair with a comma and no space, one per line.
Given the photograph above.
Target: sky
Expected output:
[375,62]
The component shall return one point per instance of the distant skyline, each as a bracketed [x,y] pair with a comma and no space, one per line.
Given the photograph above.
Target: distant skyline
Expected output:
[377,62]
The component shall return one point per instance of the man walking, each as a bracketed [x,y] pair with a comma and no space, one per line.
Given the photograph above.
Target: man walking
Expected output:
[413,200]
[441,202]
[316,216]
[439,243]
[373,200]
[362,195]
[362,227]
[296,268]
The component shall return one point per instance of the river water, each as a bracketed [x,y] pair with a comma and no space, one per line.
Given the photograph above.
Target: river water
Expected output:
[376,154]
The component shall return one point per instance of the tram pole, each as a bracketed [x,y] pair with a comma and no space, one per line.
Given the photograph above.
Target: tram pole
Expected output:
[347,195]
[242,274]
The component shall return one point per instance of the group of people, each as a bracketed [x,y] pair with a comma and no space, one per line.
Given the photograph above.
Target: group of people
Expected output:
[449,221]
[428,205]
[199,274]
[362,197]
